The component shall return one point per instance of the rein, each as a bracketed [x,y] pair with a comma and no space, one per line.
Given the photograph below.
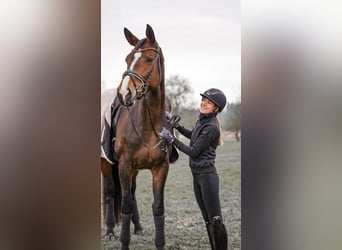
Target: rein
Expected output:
[154,130]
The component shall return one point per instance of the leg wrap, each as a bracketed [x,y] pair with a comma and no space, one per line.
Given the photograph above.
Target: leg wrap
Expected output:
[110,212]
[159,222]
[125,235]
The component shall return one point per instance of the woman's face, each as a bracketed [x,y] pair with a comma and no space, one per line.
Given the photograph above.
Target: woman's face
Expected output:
[207,106]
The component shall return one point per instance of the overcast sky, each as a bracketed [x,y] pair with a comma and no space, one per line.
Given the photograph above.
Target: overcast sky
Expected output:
[201,40]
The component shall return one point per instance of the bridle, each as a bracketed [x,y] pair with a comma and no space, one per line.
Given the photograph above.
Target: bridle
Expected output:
[141,92]
[142,89]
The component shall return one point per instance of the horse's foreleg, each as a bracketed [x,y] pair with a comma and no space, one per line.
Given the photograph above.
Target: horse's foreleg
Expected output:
[159,178]
[135,213]
[108,190]
[127,208]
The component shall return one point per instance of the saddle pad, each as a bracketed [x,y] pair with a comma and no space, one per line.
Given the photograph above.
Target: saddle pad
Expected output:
[107,98]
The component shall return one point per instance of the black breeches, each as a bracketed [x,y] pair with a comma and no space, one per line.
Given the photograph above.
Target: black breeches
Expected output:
[206,188]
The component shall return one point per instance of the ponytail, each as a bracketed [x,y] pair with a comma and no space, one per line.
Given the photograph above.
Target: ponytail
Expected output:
[220,141]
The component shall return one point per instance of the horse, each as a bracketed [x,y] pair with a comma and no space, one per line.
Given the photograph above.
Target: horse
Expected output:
[138,146]
[111,190]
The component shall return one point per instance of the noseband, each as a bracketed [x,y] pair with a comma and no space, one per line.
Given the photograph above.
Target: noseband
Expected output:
[142,89]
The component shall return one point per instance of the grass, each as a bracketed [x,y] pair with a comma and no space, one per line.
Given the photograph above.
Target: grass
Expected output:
[184,226]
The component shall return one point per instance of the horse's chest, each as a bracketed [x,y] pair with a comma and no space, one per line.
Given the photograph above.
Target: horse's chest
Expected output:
[149,157]
[138,155]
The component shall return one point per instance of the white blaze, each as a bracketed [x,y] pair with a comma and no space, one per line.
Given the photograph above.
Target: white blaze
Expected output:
[136,58]
[125,81]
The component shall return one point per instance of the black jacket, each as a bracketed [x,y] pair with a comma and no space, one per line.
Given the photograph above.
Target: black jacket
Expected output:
[203,142]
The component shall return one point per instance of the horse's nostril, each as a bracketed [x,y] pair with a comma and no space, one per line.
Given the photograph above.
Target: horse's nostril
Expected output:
[129,95]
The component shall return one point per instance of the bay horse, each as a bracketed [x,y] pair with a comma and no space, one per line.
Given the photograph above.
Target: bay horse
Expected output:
[138,145]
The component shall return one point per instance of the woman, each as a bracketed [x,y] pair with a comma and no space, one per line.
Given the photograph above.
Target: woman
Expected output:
[204,138]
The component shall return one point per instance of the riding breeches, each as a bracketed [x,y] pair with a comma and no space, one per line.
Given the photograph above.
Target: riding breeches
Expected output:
[206,188]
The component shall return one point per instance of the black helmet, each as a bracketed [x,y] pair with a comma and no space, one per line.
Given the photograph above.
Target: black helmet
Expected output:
[216,96]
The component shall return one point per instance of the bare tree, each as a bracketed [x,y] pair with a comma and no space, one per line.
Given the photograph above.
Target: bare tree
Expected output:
[233,118]
[179,91]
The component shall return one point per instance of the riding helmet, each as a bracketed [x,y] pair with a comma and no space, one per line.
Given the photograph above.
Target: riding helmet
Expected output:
[217,97]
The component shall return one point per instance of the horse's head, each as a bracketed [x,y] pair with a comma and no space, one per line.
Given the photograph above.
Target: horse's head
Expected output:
[144,68]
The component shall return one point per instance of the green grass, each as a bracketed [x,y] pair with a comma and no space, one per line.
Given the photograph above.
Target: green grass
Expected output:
[184,226]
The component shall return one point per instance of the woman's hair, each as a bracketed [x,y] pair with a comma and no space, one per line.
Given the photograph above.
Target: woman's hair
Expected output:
[220,141]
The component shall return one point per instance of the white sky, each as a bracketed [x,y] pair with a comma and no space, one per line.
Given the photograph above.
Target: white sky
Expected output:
[201,40]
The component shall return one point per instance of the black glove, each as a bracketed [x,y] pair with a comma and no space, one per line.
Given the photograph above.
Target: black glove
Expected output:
[167,135]
[172,120]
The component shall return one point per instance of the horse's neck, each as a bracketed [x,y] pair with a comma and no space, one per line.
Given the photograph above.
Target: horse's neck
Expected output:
[152,109]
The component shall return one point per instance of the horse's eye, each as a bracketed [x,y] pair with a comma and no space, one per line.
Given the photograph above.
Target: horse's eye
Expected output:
[149,59]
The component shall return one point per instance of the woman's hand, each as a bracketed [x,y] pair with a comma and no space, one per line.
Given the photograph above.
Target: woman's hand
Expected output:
[172,120]
[167,135]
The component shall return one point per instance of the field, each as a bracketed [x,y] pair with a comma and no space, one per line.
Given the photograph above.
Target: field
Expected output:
[184,226]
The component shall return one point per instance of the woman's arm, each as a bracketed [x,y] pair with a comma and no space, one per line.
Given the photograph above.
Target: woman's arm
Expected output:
[184,131]
[206,138]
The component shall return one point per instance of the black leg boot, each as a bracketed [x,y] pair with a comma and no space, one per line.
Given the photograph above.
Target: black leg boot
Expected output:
[220,234]
[211,235]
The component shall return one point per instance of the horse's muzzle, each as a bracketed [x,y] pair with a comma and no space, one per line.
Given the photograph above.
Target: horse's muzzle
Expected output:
[127,99]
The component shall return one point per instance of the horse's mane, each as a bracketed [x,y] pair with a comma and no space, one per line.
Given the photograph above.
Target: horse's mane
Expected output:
[162,76]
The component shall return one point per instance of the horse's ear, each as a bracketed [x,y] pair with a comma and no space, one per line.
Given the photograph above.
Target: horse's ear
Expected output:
[132,39]
[150,34]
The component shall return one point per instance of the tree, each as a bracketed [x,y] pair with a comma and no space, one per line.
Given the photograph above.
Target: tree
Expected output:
[232,120]
[179,91]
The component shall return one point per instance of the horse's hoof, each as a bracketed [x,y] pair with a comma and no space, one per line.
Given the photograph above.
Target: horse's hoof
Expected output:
[110,237]
[160,247]
[139,232]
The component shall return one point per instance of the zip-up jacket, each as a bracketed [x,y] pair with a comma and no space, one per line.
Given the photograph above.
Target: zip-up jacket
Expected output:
[203,142]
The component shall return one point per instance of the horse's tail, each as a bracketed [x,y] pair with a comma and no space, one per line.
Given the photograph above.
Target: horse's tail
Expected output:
[117,192]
